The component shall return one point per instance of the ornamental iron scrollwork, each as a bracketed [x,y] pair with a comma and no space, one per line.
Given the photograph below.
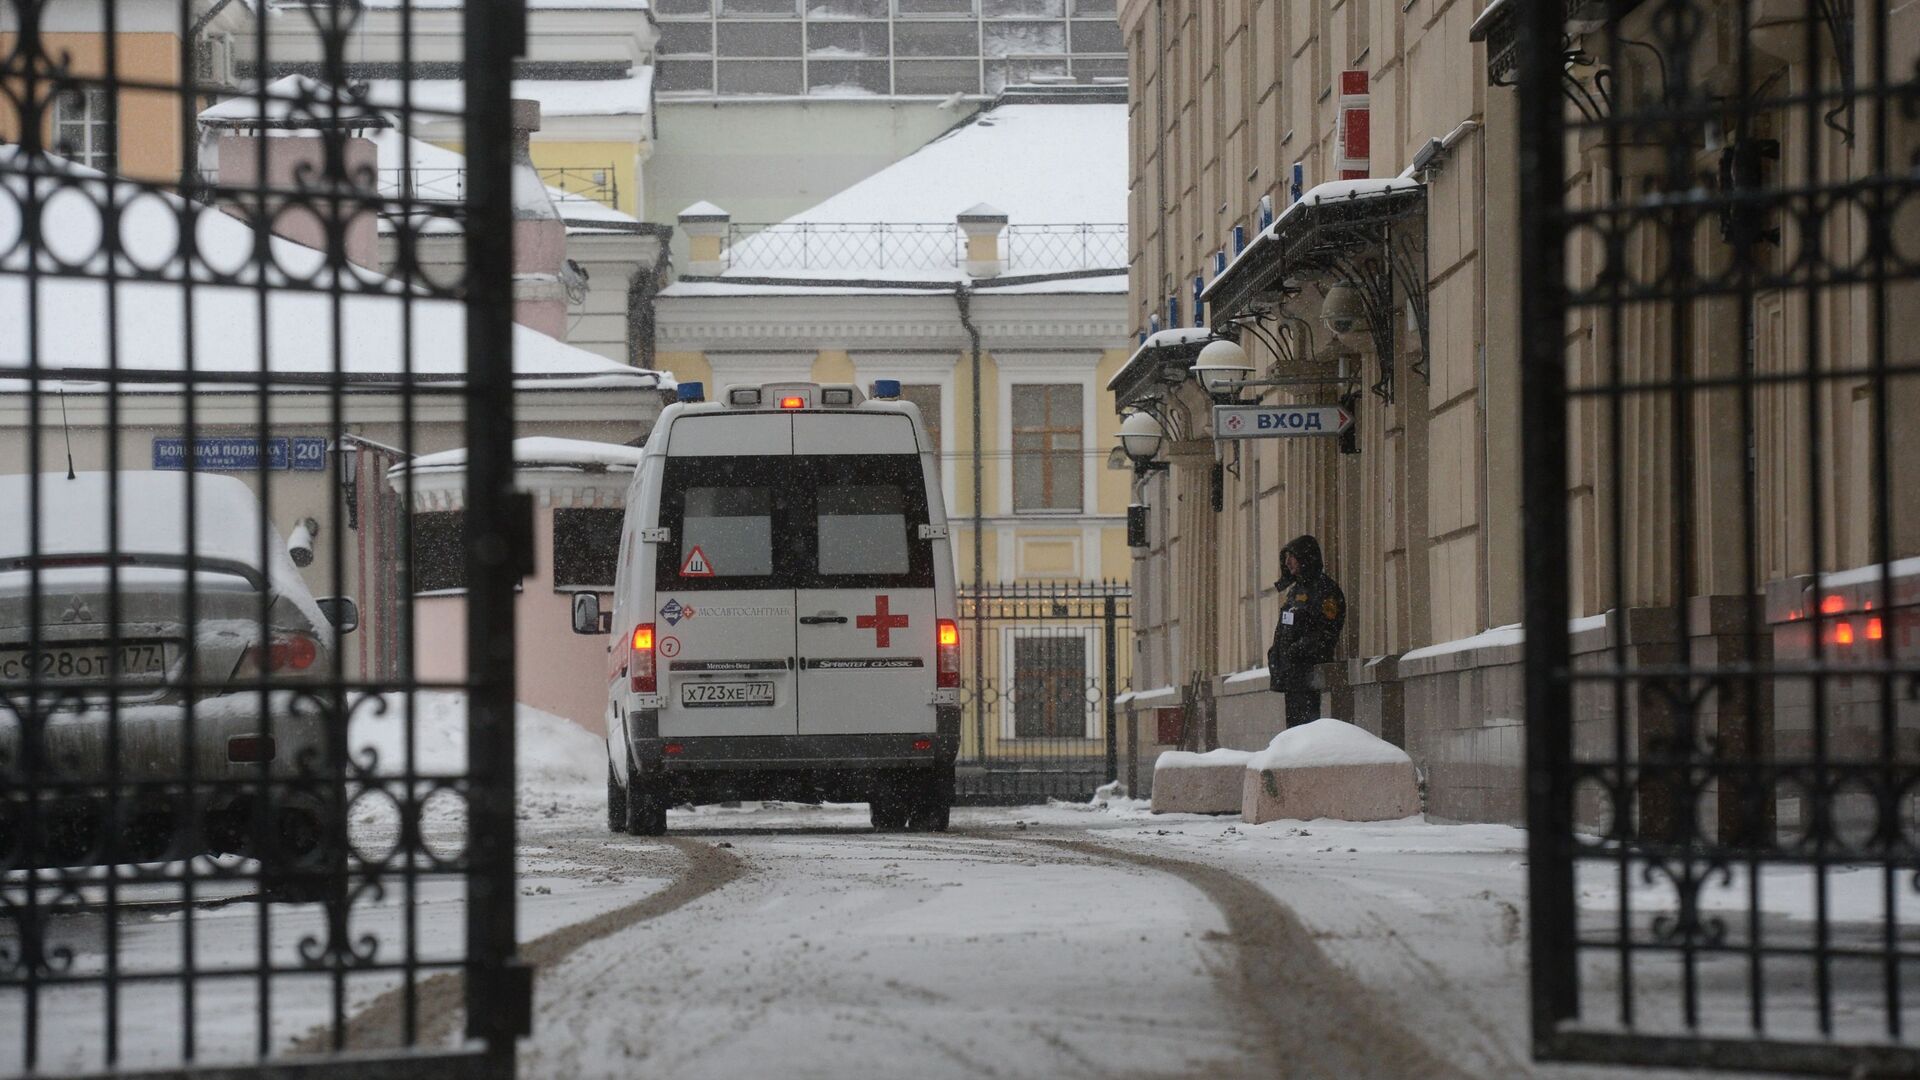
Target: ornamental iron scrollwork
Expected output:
[1724,779]
[222,816]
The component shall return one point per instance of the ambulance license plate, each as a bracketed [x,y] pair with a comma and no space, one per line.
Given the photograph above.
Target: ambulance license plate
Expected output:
[710,695]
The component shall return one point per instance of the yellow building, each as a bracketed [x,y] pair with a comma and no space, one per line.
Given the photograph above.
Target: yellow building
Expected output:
[137,129]
[997,297]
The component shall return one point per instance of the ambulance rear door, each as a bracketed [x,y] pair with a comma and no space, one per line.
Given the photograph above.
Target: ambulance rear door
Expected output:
[867,628]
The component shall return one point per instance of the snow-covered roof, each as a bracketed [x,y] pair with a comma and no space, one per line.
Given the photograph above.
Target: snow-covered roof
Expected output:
[1486,19]
[1059,164]
[1179,335]
[630,95]
[1055,164]
[295,101]
[151,319]
[539,453]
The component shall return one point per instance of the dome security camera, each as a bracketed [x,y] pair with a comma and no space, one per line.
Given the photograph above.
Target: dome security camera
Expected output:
[1343,311]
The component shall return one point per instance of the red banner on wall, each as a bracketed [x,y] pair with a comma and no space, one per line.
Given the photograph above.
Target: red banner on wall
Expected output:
[1354,136]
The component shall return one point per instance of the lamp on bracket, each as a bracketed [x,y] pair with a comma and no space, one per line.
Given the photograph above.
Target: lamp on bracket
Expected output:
[1219,369]
[1141,437]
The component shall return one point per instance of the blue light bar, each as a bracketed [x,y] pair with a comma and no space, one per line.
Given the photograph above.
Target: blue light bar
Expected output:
[886,388]
[692,391]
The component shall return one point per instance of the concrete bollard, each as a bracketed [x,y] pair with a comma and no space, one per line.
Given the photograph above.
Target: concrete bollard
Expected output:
[1329,769]
[1209,783]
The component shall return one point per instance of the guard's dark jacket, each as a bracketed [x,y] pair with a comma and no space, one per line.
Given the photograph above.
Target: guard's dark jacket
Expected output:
[1312,612]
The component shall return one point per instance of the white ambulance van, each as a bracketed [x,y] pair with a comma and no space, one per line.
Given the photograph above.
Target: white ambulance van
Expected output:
[783,622]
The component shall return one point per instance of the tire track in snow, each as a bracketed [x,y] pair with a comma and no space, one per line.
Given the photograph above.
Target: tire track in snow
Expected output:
[1306,1013]
[440,1000]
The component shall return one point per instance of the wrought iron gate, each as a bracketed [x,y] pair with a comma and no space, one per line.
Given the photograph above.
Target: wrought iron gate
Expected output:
[1721,328]
[1037,706]
[223,844]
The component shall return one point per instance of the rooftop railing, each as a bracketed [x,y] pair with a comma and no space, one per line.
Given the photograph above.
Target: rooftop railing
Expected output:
[916,247]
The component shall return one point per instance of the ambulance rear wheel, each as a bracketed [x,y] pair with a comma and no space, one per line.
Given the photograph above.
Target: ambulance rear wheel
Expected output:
[646,812]
[616,802]
[930,806]
[888,807]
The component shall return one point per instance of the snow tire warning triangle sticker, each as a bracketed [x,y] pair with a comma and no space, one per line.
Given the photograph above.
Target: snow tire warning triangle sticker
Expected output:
[696,565]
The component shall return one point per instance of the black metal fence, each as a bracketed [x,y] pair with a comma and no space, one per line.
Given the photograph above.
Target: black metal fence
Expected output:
[1721,265]
[221,839]
[1037,711]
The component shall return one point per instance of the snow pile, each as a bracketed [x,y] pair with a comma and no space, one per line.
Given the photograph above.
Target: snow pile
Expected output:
[555,755]
[1183,759]
[1110,798]
[1326,741]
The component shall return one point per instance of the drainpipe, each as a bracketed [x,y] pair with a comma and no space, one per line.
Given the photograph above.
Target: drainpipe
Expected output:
[963,299]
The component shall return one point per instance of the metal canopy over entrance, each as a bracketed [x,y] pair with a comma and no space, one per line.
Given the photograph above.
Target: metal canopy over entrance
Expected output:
[1366,236]
[224,848]
[1720,237]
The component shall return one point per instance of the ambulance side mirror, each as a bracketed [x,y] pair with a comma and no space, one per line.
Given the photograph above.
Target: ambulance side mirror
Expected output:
[587,617]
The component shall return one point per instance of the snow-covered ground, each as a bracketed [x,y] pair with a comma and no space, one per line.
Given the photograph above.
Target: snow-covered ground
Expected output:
[1055,941]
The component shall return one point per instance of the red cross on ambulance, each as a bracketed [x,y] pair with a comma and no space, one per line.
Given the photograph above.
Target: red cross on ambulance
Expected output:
[882,622]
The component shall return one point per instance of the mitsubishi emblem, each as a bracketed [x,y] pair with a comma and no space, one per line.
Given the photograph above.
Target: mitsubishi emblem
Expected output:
[77,611]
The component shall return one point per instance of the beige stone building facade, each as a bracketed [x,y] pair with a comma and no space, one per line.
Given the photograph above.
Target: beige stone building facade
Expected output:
[1340,180]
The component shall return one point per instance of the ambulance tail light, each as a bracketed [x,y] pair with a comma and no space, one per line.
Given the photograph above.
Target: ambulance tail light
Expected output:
[641,668]
[948,663]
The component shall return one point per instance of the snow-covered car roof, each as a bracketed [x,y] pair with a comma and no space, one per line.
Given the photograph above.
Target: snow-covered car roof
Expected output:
[73,520]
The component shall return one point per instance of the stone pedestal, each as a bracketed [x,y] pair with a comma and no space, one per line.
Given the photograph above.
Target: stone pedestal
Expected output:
[1329,769]
[1209,783]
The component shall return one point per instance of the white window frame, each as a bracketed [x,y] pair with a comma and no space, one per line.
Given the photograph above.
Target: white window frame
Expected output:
[96,122]
[1010,658]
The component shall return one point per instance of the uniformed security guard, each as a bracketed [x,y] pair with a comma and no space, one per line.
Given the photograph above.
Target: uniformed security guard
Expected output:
[1312,612]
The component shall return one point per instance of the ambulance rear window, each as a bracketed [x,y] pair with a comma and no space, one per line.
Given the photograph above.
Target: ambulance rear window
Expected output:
[862,529]
[732,530]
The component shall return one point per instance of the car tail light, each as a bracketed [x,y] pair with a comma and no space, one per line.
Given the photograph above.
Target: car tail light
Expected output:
[793,401]
[283,652]
[641,667]
[674,748]
[1843,633]
[1875,630]
[1832,605]
[949,654]
[923,744]
[250,748]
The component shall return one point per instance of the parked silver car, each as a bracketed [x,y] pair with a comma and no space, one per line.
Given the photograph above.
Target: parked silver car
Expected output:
[172,700]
